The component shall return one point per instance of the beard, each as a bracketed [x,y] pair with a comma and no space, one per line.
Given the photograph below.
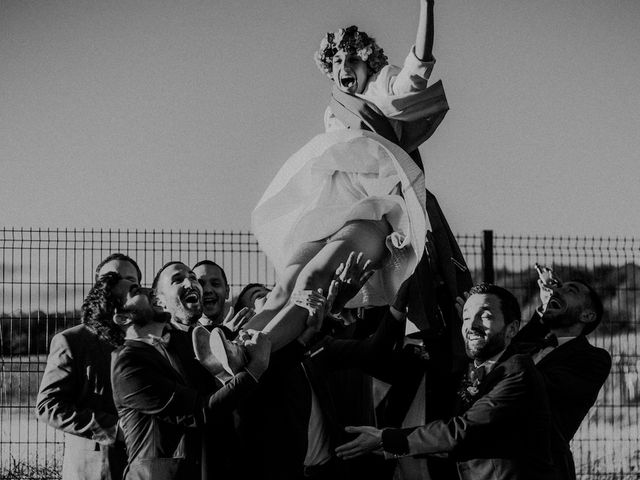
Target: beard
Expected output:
[485,349]
[557,320]
[184,315]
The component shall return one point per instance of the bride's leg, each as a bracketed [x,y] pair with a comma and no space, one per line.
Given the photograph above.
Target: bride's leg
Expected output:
[280,294]
[284,324]
[359,236]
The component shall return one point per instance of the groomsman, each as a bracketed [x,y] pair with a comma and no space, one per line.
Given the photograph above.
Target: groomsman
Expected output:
[178,290]
[75,393]
[502,426]
[162,413]
[215,292]
[181,295]
[572,369]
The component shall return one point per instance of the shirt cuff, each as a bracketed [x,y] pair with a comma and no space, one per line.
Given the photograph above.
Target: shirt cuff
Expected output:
[417,66]
[394,441]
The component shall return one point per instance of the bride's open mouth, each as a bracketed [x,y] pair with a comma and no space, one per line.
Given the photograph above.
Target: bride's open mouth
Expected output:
[347,81]
[191,296]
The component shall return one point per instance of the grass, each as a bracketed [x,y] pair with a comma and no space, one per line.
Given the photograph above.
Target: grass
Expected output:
[17,469]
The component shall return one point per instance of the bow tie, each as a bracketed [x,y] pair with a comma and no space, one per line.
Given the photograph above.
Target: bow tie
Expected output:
[476,374]
[550,340]
[162,341]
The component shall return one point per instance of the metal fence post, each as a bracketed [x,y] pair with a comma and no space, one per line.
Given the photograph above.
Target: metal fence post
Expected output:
[488,275]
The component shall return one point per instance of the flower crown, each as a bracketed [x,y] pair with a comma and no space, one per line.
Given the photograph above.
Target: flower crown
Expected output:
[352,41]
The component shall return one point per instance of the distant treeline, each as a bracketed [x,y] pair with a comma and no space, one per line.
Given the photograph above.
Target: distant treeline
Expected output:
[30,333]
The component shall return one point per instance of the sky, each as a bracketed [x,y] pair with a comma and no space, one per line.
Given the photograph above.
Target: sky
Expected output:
[157,114]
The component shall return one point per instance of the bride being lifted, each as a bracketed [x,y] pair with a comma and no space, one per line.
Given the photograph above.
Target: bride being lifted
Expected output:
[358,187]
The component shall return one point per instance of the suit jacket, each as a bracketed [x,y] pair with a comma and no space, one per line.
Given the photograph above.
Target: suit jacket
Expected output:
[219,453]
[573,374]
[75,397]
[162,415]
[404,370]
[503,435]
[274,423]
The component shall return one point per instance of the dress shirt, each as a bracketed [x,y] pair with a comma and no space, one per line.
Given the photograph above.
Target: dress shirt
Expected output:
[318,451]
[490,363]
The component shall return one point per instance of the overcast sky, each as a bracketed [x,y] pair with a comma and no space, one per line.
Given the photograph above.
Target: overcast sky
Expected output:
[156,114]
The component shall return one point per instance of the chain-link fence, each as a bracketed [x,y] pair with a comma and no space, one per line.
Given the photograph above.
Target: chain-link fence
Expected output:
[46,273]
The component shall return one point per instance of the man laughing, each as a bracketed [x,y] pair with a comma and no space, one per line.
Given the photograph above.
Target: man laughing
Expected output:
[215,290]
[180,293]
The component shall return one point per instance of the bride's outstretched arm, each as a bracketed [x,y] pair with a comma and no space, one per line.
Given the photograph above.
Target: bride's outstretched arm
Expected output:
[424,36]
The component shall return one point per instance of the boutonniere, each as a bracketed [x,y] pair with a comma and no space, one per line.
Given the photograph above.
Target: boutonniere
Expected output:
[470,388]
[473,390]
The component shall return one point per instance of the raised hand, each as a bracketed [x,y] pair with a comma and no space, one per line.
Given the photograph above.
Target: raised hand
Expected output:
[258,348]
[315,303]
[351,277]
[237,321]
[547,276]
[546,279]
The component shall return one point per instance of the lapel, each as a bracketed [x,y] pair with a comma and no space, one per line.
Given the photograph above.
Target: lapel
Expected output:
[496,373]
[150,351]
[103,350]
[404,389]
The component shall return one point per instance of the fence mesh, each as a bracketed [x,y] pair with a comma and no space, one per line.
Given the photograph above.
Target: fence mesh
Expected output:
[44,275]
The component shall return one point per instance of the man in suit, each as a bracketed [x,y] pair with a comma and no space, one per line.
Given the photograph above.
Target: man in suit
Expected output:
[295,423]
[183,297]
[572,369]
[161,413]
[75,394]
[502,427]
[215,292]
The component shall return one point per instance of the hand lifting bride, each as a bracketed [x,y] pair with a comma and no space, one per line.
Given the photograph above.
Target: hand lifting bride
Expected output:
[358,187]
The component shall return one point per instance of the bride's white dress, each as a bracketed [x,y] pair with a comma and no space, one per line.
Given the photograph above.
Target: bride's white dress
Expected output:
[344,175]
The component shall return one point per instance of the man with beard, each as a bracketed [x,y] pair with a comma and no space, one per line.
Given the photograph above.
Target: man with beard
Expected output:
[75,393]
[179,292]
[501,430]
[572,369]
[215,291]
[161,411]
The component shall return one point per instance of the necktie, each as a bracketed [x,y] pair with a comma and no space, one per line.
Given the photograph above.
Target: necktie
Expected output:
[162,341]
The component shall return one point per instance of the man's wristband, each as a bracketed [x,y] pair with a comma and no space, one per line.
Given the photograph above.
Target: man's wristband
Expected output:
[394,441]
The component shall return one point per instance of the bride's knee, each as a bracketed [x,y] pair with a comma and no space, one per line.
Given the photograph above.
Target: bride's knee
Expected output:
[278,297]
